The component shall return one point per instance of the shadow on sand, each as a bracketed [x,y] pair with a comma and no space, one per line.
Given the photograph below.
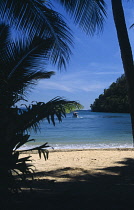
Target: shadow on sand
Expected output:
[110,189]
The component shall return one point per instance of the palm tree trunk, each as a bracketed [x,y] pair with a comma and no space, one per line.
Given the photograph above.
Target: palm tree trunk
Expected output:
[126,53]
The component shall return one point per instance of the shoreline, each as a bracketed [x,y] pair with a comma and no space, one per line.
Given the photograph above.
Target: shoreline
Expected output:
[75,150]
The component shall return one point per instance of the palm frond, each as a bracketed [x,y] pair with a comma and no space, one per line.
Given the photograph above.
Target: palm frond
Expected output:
[34,18]
[41,150]
[35,113]
[20,140]
[29,55]
[88,14]
[5,43]
[131,26]
[62,38]
[22,67]
[4,35]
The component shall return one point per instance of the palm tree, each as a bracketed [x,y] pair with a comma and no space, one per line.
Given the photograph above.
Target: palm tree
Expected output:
[21,66]
[88,14]
[33,18]
[37,18]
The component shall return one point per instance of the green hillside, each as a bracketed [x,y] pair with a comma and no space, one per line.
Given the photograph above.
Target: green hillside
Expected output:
[114,99]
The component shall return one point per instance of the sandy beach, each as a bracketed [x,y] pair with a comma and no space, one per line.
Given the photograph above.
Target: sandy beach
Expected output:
[83,179]
[71,163]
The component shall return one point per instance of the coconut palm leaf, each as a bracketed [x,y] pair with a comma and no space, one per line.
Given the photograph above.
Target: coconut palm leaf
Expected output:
[41,150]
[21,67]
[20,140]
[35,113]
[19,121]
[4,35]
[34,18]
[88,14]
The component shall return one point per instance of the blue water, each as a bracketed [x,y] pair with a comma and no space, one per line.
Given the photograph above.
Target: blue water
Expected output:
[89,130]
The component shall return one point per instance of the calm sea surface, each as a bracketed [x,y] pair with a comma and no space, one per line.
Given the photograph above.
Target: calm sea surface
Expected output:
[89,130]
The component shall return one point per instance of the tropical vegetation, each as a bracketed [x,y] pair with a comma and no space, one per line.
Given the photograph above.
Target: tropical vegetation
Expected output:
[114,99]
[20,70]
[36,20]
[22,64]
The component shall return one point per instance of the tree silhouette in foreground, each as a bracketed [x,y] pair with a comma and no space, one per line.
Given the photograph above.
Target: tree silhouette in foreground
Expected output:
[36,18]
[21,66]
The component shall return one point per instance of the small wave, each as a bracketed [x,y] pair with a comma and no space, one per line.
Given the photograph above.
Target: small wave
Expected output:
[83,146]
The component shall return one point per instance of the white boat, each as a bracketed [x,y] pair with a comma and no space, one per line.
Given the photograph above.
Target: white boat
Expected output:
[75,114]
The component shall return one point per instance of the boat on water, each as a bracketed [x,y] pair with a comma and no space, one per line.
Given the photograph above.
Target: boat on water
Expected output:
[75,114]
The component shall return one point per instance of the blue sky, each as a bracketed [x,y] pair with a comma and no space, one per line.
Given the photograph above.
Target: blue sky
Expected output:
[94,65]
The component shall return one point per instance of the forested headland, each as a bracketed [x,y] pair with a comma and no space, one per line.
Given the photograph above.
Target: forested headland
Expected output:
[114,99]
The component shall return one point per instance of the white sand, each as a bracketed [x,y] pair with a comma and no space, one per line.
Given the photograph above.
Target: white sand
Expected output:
[75,162]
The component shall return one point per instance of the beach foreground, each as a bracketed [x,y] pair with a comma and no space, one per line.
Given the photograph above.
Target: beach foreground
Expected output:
[83,179]
[65,165]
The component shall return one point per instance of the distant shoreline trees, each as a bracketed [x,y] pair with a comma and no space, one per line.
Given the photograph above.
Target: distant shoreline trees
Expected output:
[114,99]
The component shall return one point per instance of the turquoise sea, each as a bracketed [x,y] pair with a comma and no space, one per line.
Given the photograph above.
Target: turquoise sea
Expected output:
[89,130]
